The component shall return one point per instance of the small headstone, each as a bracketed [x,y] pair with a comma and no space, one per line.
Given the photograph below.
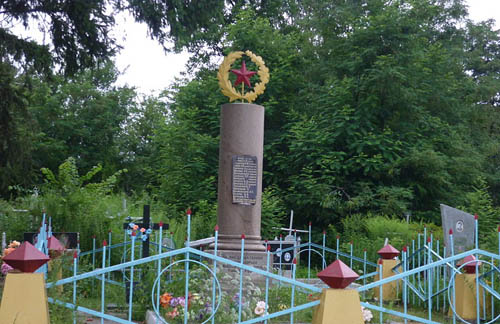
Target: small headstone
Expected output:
[462,224]
[285,257]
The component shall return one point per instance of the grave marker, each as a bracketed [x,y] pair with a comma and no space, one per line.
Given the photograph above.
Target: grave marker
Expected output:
[146,223]
[463,226]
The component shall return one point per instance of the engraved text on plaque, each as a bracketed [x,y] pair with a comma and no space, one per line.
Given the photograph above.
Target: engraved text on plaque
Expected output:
[244,181]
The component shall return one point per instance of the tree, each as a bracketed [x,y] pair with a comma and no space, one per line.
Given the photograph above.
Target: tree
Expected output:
[16,138]
[80,31]
[369,108]
[82,117]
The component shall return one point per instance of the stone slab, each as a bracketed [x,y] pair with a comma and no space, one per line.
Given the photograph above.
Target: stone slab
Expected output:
[463,226]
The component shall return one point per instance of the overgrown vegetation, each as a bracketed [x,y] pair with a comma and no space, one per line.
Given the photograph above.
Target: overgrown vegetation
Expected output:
[369,110]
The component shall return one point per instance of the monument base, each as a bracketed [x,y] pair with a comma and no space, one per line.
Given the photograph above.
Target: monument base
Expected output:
[24,299]
[228,242]
[254,259]
[338,306]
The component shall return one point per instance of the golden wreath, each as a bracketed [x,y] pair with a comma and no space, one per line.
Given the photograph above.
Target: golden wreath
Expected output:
[226,86]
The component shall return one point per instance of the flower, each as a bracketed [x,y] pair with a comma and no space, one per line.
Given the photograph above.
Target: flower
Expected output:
[5,268]
[260,309]
[367,314]
[135,227]
[173,313]
[8,250]
[14,244]
[143,230]
[165,300]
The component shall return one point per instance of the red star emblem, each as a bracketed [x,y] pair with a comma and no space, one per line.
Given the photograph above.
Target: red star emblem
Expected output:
[243,75]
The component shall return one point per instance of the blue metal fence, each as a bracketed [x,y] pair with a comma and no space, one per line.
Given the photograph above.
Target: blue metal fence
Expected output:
[426,278]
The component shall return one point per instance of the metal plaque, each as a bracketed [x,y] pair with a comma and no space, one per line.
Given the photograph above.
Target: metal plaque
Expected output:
[244,179]
[282,259]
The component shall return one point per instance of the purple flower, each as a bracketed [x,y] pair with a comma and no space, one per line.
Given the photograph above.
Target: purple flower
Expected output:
[5,268]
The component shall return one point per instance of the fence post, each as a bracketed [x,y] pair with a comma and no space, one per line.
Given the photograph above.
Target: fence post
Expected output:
[215,271]
[186,288]
[309,254]
[131,287]
[103,278]
[240,293]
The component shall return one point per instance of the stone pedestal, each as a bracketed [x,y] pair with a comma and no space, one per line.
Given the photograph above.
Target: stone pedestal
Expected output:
[338,306]
[390,290]
[239,197]
[465,297]
[24,299]
[254,259]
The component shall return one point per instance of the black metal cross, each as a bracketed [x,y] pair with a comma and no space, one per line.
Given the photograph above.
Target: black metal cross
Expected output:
[146,223]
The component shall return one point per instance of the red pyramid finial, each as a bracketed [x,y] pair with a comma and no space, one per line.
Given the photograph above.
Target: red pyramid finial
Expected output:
[104,243]
[470,267]
[269,247]
[294,261]
[310,223]
[188,212]
[242,236]
[476,216]
[380,261]
[26,258]
[54,244]
[324,232]
[429,239]
[55,247]
[216,228]
[451,231]
[338,275]
[75,254]
[161,224]
[388,252]
[404,249]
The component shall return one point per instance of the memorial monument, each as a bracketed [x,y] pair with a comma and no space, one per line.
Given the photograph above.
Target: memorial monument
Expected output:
[240,160]
[463,227]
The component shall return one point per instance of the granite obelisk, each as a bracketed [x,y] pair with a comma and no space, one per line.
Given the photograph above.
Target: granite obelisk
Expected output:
[240,176]
[240,161]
